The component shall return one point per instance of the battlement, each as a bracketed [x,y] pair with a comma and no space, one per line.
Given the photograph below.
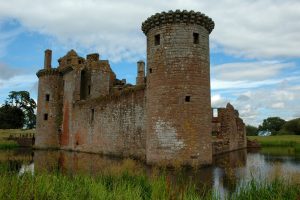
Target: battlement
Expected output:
[171,17]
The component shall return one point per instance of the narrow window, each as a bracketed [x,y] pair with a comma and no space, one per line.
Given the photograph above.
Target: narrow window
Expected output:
[46,117]
[47,97]
[89,89]
[196,38]
[187,98]
[150,70]
[157,39]
[69,61]
[83,85]
[92,114]
[215,112]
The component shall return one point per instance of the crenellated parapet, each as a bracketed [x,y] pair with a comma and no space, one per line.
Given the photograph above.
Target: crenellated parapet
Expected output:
[49,71]
[171,17]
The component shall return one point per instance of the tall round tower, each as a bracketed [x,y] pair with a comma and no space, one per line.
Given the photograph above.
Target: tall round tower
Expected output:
[49,107]
[178,105]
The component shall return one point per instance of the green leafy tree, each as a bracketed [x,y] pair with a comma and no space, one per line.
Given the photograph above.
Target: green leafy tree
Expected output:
[11,117]
[291,127]
[22,100]
[272,124]
[251,130]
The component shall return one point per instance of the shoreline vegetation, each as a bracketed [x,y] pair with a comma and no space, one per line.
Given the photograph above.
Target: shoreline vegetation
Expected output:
[12,144]
[130,181]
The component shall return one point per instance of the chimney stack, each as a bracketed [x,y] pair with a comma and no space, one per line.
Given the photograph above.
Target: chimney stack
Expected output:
[140,79]
[48,57]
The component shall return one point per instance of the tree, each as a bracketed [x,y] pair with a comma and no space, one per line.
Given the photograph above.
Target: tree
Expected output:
[22,100]
[11,117]
[272,124]
[292,127]
[251,130]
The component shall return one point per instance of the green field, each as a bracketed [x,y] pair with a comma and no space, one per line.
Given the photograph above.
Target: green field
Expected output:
[9,144]
[278,140]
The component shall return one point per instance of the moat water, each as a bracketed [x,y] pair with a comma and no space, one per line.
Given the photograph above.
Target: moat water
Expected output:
[228,172]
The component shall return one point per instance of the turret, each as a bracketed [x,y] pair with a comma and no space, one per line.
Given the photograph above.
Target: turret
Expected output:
[178,88]
[49,107]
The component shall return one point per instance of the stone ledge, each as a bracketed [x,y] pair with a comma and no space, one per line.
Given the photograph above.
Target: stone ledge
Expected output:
[52,71]
[171,17]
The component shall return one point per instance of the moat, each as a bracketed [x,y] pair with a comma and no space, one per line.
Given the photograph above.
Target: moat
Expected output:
[226,174]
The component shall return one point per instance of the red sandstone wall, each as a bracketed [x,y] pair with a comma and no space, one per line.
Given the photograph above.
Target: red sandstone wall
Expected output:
[50,82]
[230,129]
[178,131]
[117,126]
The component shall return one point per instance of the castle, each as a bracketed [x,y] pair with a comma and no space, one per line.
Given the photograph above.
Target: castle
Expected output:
[165,118]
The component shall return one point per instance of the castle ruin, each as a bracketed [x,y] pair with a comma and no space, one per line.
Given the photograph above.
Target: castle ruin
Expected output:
[166,118]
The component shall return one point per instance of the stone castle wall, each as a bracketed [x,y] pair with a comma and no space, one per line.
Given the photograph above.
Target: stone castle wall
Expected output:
[178,95]
[229,130]
[165,118]
[112,125]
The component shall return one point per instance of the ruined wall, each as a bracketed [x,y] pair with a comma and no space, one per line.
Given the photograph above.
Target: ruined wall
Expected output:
[109,125]
[178,88]
[229,129]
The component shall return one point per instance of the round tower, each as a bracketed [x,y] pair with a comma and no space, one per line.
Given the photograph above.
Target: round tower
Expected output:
[49,107]
[178,105]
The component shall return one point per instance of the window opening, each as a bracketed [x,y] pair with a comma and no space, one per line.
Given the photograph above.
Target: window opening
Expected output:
[157,39]
[187,98]
[92,114]
[47,97]
[196,38]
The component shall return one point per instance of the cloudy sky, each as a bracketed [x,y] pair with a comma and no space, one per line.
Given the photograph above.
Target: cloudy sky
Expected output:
[255,46]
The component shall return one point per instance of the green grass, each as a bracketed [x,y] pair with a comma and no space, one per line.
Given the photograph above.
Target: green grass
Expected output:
[275,190]
[278,140]
[9,144]
[128,186]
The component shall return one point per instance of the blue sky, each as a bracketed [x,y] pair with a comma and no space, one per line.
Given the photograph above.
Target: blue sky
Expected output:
[255,46]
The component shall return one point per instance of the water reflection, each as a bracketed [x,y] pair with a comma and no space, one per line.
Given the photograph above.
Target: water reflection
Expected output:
[226,174]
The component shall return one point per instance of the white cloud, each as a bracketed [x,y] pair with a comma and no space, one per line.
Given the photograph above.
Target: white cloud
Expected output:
[267,28]
[278,105]
[256,104]
[18,81]
[218,101]
[253,71]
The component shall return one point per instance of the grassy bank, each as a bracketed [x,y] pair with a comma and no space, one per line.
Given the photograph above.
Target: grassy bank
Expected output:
[127,186]
[278,141]
[9,144]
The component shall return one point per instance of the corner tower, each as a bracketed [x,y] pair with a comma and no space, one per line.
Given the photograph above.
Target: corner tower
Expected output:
[178,102]
[49,107]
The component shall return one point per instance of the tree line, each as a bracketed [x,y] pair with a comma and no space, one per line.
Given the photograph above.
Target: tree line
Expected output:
[18,111]
[275,126]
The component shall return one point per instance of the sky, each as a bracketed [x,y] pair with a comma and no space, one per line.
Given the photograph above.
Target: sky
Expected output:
[254,48]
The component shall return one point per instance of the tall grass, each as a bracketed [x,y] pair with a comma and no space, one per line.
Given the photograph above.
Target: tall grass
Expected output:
[274,190]
[128,185]
[58,186]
